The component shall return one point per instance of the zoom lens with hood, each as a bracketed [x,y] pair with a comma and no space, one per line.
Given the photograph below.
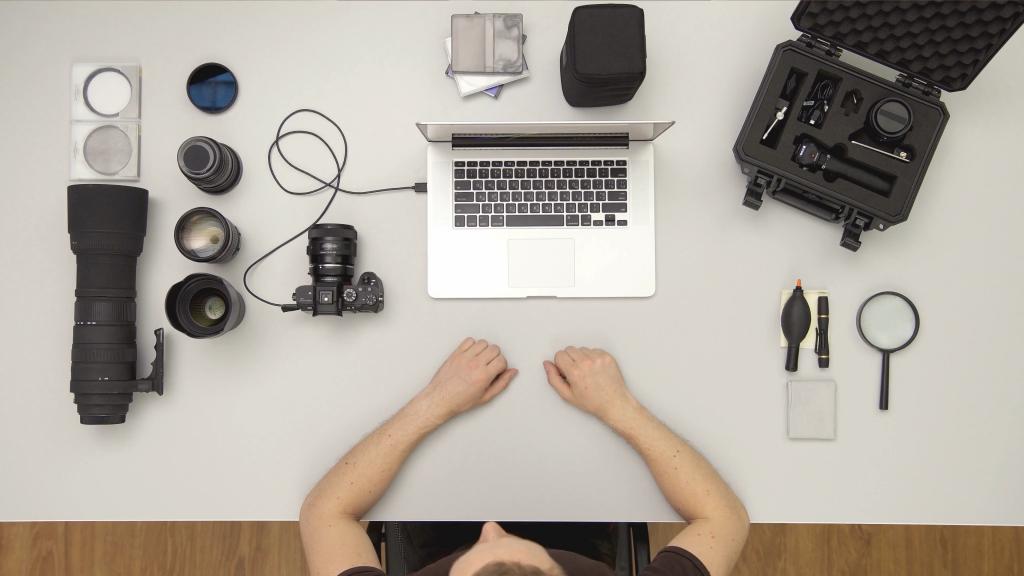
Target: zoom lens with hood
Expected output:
[107,224]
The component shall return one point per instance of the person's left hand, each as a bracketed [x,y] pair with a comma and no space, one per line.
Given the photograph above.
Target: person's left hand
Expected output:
[474,373]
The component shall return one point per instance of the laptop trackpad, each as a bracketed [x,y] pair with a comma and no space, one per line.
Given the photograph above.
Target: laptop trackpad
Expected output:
[541,263]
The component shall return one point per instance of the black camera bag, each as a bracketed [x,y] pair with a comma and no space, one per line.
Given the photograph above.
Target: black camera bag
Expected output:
[604,56]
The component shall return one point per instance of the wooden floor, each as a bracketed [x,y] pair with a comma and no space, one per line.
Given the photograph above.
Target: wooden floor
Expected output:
[273,548]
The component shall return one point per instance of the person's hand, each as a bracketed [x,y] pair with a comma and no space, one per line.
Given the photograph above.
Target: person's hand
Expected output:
[590,380]
[474,373]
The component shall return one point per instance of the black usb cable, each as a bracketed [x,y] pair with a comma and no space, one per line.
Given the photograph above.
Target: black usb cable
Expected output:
[333,184]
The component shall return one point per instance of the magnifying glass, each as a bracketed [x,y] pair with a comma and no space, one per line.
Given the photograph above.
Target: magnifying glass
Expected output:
[888,322]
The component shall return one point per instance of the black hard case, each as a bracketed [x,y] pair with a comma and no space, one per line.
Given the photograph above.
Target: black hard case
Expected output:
[604,57]
[933,45]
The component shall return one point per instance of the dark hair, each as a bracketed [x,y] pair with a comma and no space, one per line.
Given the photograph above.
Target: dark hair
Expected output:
[515,569]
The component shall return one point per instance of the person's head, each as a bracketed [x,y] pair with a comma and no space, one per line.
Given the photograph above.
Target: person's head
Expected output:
[498,553]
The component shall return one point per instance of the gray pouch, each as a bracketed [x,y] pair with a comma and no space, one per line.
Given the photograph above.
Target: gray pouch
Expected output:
[487,43]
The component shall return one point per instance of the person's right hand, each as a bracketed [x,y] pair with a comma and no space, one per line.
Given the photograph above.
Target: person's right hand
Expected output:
[590,380]
[475,373]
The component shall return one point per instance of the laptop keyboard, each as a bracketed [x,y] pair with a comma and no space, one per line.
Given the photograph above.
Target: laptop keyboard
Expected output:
[530,193]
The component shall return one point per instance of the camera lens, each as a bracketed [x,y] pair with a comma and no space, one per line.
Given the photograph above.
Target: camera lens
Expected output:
[204,306]
[889,119]
[332,253]
[213,167]
[204,235]
[107,225]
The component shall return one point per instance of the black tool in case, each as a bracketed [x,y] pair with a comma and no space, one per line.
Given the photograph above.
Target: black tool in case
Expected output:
[848,146]
[604,56]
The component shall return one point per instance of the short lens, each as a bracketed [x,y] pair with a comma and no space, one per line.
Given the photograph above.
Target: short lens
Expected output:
[332,253]
[205,235]
[204,306]
[211,166]
[890,119]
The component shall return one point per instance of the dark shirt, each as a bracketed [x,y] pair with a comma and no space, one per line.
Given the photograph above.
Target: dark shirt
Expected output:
[671,561]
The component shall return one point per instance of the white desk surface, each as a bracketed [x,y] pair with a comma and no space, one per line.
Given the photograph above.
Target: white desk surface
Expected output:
[250,420]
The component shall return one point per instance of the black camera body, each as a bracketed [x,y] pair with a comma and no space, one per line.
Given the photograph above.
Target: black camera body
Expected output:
[332,298]
[332,256]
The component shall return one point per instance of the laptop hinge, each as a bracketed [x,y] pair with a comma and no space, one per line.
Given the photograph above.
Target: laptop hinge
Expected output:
[538,141]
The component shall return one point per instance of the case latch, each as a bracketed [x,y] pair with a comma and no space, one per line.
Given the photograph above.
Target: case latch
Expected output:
[821,45]
[911,83]
[852,231]
[757,185]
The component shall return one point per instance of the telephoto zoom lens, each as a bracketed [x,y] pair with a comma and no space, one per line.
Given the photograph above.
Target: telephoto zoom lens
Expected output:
[107,224]
[204,235]
[332,253]
[213,167]
[204,306]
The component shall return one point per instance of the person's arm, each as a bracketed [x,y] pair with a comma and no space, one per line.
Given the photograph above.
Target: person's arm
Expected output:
[717,522]
[332,537]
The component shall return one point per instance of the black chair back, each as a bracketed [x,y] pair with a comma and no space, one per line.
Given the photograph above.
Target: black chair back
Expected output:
[626,545]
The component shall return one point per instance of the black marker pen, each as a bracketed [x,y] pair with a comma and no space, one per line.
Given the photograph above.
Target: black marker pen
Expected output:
[821,332]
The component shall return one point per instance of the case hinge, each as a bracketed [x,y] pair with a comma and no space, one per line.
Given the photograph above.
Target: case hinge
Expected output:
[821,45]
[921,86]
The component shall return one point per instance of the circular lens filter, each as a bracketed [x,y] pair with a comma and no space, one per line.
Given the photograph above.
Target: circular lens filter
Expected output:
[107,150]
[107,92]
[212,88]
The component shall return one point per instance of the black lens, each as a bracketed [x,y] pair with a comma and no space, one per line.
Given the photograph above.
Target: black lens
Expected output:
[204,235]
[204,306]
[213,167]
[332,253]
[212,88]
[889,119]
[107,225]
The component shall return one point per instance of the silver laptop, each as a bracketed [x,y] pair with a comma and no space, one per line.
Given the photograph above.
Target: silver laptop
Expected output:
[519,209]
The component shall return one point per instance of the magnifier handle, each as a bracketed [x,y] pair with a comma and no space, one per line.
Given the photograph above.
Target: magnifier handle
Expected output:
[883,398]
